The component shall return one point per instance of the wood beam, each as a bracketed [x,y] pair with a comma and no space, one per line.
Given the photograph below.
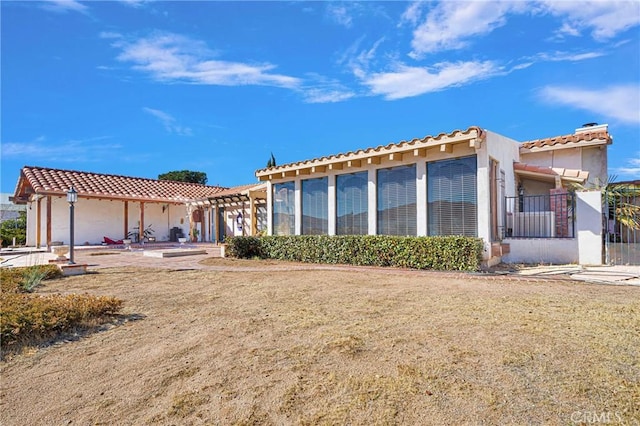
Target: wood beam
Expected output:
[373,160]
[289,173]
[336,166]
[395,156]
[303,172]
[420,152]
[354,163]
[318,169]
[446,147]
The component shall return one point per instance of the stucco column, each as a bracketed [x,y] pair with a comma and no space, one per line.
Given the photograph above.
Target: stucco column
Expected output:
[373,201]
[483,200]
[589,227]
[269,208]
[331,204]
[298,207]
[421,197]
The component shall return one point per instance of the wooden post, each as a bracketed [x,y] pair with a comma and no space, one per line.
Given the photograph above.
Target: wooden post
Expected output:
[49,215]
[126,220]
[141,230]
[216,225]
[38,216]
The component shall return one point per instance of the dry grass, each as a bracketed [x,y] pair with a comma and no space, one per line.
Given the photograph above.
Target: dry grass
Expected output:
[336,347]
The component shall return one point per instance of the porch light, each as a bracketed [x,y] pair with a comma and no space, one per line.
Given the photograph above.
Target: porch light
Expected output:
[72,198]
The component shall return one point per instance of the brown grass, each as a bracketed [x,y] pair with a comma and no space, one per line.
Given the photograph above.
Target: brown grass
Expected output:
[337,347]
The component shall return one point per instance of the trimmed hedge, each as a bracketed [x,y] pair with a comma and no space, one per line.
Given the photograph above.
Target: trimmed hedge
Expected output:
[453,253]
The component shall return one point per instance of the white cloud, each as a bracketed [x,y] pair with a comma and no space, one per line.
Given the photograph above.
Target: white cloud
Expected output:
[604,19]
[632,169]
[65,6]
[339,14]
[406,81]
[450,25]
[620,102]
[323,96]
[174,58]
[66,151]
[133,3]
[169,122]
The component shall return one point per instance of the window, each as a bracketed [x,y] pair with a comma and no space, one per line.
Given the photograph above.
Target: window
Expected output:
[283,208]
[451,195]
[397,201]
[352,207]
[315,209]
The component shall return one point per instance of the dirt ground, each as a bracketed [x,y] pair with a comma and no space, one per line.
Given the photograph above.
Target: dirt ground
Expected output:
[335,347]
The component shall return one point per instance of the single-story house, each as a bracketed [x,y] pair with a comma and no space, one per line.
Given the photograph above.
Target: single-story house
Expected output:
[119,207]
[513,195]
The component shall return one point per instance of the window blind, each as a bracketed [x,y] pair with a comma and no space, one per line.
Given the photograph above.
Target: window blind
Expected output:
[452,197]
[397,201]
[283,208]
[315,209]
[352,206]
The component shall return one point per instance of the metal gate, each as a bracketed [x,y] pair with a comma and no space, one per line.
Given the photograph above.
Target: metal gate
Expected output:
[622,224]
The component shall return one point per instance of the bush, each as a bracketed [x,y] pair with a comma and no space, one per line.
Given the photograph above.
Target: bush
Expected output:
[29,318]
[22,280]
[454,253]
[14,228]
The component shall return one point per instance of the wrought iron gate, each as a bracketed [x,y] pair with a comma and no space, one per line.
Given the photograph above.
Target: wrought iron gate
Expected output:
[621,231]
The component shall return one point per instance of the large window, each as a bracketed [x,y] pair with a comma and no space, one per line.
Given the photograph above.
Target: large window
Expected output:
[283,208]
[451,194]
[352,204]
[397,201]
[315,209]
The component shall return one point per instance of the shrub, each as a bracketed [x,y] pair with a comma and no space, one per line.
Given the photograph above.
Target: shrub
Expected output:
[20,280]
[442,253]
[27,318]
[14,228]
[31,318]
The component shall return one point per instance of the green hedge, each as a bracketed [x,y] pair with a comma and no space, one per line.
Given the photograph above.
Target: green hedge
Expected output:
[442,253]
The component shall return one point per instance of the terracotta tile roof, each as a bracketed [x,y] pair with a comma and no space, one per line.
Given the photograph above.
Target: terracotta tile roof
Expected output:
[569,141]
[42,180]
[472,131]
[552,172]
[241,189]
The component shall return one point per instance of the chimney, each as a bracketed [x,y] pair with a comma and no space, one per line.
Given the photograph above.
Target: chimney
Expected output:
[592,128]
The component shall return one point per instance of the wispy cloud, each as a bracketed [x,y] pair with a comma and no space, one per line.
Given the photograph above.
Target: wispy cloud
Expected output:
[620,102]
[405,81]
[340,14]
[631,169]
[64,151]
[169,57]
[63,6]
[169,122]
[451,25]
[604,19]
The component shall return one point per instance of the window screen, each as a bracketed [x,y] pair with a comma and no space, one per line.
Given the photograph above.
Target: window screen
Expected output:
[352,207]
[315,209]
[397,201]
[451,195]
[283,208]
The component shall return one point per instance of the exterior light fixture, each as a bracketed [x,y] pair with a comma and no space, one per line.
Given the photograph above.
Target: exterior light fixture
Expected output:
[72,198]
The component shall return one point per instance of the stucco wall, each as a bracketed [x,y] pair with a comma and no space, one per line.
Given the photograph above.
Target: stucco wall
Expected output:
[541,250]
[96,219]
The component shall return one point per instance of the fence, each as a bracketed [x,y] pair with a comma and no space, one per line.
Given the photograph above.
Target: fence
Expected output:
[622,225]
[540,216]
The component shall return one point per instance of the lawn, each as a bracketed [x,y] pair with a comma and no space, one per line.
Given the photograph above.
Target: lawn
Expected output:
[336,347]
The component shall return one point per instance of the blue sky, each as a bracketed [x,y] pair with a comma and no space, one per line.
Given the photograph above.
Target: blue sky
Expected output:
[140,88]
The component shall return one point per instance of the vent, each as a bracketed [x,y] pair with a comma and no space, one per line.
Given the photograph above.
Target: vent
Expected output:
[592,127]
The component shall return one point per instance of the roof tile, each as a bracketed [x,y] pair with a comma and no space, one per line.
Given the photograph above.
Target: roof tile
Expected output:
[58,181]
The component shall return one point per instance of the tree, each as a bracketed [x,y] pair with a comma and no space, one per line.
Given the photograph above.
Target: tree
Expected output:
[271,162]
[14,228]
[185,176]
